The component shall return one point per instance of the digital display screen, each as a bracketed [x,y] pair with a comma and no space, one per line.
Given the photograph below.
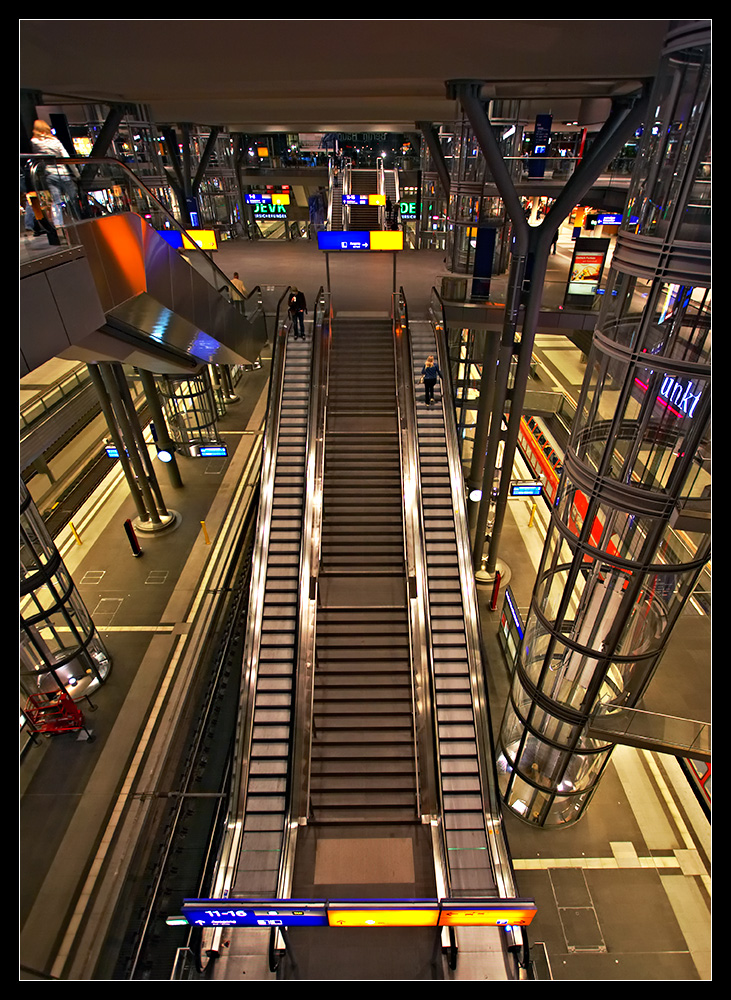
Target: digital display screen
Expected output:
[526,488]
[510,601]
[614,219]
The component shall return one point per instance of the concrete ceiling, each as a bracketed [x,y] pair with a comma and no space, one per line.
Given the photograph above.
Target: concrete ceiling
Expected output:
[334,75]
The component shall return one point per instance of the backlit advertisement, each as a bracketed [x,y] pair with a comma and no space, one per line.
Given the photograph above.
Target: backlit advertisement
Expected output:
[587,266]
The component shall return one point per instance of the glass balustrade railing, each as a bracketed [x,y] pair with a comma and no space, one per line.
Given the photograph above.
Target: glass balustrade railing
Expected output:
[36,406]
[59,195]
[470,165]
[685,737]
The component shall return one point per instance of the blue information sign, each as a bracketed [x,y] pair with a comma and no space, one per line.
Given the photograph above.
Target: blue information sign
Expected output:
[350,239]
[277,913]
[265,913]
[614,219]
[526,488]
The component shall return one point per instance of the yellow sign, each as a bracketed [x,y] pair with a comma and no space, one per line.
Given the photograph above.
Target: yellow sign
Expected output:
[519,915]
[204,239]
[378,916]
[386,239]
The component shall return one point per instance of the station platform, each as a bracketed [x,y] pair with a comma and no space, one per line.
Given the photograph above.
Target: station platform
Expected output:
[623,895]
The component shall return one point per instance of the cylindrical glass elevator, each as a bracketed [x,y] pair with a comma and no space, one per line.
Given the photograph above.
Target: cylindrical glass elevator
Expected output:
[60,649]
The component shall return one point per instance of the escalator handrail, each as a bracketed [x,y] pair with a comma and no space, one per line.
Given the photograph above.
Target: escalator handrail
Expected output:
[281,299]
[330,192]
[36,159]
[347,176]
[298,785]
[381,190]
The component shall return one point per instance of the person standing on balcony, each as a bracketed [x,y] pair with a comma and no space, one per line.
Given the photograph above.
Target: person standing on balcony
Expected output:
[59,178]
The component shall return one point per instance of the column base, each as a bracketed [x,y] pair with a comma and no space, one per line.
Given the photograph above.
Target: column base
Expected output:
[166,523]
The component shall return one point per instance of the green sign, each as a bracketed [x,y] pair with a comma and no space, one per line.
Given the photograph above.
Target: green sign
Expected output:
[267,211]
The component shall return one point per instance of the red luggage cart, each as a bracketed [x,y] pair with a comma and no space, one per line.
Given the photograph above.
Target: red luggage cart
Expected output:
[56,713]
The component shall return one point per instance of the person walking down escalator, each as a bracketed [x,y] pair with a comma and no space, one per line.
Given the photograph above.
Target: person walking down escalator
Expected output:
[238,284]
[429,375]
[297,309]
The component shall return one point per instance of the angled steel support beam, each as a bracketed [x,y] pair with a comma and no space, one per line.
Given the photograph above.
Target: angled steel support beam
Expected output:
[626,116]
[205,158]
[103,141]
[435,151]
[171,142]
[108,130]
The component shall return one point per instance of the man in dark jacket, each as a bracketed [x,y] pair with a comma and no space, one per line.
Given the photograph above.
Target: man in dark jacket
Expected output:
[297,309]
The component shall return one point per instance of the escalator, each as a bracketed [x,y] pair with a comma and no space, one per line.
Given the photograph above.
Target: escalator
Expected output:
[372,780]
[364,217]
[463,741]
[252,859]
[364,838]
[335,220]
